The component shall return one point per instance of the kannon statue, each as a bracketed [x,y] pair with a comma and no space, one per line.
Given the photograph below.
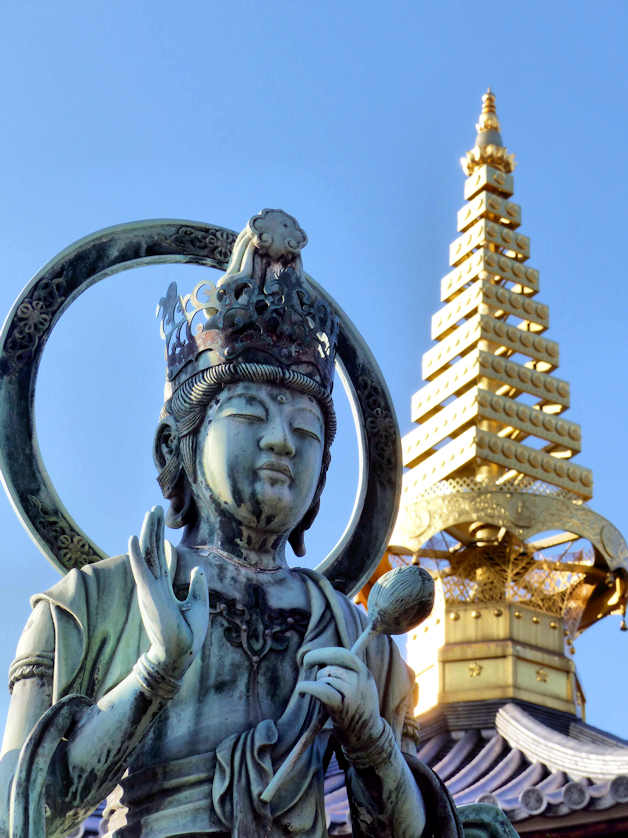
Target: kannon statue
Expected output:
[174,681]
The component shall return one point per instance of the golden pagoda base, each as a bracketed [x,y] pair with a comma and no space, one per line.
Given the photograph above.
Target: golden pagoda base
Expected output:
[493,651]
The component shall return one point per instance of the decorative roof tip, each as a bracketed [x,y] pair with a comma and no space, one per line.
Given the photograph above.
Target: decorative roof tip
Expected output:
[488,123]
[489,148]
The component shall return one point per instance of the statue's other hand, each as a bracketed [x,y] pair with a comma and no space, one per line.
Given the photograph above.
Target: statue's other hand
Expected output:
[176,629]
[346,687]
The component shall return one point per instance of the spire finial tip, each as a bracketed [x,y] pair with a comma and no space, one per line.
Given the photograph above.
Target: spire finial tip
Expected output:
[488,103]
[489,147]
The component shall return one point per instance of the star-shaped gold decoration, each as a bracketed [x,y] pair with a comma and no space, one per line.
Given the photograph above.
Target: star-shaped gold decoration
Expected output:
[475,669]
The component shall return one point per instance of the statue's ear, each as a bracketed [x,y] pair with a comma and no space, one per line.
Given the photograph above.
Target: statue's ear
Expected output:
[166,443]
[296,539]
[172,479]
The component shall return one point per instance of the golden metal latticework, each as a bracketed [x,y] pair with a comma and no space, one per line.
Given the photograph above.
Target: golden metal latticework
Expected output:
[508,571]
[492,501]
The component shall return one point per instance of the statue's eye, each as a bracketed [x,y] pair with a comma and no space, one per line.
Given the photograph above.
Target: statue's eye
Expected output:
[244,415]
[246,410]
[306,423]
[308,432]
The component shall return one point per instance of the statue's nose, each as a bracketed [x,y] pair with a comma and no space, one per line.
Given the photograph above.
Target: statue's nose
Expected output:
[278,438]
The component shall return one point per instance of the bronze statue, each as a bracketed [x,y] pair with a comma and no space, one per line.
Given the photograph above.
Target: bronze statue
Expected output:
[176,681]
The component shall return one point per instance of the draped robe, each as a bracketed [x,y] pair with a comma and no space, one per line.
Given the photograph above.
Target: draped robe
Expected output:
[209,792]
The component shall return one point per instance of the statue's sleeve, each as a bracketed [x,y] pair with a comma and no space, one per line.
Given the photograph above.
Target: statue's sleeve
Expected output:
[67,605]
[34,727]
[98,628]
[83,638]
[34,657]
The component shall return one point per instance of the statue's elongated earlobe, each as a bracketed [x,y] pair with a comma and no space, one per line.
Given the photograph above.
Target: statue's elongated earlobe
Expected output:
[166,455]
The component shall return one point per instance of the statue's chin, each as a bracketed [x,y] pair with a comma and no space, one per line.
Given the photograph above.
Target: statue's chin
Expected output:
[272,510]
[271,503]
[276,505]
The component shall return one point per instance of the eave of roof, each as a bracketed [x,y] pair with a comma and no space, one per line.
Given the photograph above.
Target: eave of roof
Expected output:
[544,769]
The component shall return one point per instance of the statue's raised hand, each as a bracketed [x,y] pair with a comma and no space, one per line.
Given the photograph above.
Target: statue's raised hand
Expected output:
[176,629]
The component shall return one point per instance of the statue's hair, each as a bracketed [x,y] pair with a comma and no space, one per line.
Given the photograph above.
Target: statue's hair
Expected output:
[185,412]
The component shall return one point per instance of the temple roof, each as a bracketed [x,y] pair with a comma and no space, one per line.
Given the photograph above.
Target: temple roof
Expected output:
[543,768]
[529,763]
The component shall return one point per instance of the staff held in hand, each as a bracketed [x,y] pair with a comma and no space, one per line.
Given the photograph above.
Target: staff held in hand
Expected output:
[398,602]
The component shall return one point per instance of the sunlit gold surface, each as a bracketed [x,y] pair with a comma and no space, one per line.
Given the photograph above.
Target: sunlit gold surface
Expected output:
[490,355]
[477,653]
[492,502]
[486,263]
[488,147]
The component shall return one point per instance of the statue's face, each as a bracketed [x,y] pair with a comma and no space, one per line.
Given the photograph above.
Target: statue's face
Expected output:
[259,455]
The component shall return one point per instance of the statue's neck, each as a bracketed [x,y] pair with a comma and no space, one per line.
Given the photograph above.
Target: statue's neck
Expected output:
[258,549]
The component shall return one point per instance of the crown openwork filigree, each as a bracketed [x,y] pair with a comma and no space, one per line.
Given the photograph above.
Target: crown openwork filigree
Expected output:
[262,310]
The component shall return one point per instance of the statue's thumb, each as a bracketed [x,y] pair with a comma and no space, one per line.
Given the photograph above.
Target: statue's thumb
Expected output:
[197,607]
[198,587]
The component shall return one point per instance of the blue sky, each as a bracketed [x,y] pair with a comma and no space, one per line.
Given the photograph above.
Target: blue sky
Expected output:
[352,116]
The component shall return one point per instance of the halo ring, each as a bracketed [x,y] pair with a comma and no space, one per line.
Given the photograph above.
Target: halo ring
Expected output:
[55,287]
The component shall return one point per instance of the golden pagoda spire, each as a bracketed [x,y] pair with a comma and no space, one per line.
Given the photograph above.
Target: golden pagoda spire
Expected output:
[489,148]
[491,356]
[492,502]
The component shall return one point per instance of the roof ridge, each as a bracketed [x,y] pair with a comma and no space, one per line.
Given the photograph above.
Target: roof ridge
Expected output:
[560,752]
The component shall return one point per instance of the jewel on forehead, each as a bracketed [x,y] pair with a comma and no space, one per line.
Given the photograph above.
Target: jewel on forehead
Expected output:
[262,311]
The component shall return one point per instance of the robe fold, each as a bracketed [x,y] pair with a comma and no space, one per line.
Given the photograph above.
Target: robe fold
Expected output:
[218,792]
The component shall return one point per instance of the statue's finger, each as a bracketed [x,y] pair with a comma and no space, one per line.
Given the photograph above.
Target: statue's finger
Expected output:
[172,560]
[338,684]
[159,533]
[150,543]
[141,573]
[145,531]
[339,673]
[195,608]
[329,696]
[156,542]
[334,656]
[197,591]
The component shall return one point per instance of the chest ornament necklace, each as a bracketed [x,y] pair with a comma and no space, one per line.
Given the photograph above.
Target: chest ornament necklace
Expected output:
[251,624]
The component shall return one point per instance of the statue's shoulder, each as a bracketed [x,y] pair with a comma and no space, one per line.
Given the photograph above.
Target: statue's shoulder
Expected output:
[357,612]
[94,610]
[349,617]
[113,567]
[112,574]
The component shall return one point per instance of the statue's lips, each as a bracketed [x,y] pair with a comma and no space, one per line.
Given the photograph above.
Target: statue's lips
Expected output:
[277,468]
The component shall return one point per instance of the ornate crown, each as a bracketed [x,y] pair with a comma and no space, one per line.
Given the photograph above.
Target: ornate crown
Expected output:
[261,311]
